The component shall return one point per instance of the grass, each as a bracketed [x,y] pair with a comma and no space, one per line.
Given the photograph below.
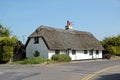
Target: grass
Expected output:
[39,60]
[36,60]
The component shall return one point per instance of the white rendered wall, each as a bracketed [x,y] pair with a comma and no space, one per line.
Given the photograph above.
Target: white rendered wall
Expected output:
[52,52]
[80,55]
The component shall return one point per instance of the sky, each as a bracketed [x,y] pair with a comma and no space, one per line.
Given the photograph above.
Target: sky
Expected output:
[100,17]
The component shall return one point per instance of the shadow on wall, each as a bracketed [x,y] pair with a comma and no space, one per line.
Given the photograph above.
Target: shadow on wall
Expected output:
[109,77]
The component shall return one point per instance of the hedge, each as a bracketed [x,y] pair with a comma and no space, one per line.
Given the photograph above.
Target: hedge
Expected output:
[61,58]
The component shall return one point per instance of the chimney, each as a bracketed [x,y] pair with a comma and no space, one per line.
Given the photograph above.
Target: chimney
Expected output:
[69,25]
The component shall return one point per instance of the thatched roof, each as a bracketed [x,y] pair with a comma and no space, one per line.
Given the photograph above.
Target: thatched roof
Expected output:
[61,39]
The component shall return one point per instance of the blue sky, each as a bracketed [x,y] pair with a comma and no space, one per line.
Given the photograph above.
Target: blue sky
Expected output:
[100,17]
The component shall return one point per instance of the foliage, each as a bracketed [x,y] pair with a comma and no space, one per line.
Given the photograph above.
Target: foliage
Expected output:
[55,57]
[6,48]
[39,60]
[36,60]
[4,32]
[19,51]
[7,44]
[111,45]
[61,58]
[36,54]
[107,56]
[116,50]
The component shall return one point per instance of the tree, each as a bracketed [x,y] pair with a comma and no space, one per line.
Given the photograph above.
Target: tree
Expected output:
[111,45]
[115,50]
[6,48]
[19,51]
[4,32]
[7,44]
[10,47]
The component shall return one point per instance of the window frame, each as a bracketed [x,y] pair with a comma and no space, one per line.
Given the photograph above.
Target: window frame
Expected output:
[97,52]
[36,40]
[73,52]
[85,51]
[90,52]
[57,51]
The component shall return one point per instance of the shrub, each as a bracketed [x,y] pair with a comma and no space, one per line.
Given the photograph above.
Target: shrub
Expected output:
[61,58]
[65,58]
[55,57]
[107,56]
[36,54]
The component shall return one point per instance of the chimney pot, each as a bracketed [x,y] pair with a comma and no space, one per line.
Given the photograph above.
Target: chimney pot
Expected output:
[69,25]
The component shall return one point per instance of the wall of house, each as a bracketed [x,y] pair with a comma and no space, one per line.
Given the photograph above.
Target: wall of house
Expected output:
[80,55]
[32,47]
[99,55]
[52,52]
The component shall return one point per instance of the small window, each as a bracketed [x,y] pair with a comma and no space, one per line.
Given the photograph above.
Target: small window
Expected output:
[73,52]
[85,51]
[97,52]
[57,51]
[67,52]
[36,40]
[90,52]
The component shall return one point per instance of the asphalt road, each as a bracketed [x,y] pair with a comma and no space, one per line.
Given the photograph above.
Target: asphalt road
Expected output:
[70,71]
[110,74]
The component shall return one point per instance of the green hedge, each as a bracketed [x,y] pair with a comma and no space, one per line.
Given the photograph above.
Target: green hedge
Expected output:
[61,58]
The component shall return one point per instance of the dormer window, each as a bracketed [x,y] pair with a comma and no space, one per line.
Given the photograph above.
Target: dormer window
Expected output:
[36,40]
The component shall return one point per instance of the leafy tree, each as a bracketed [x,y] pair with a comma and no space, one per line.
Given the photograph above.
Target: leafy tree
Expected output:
[115,50]
[6,48]
[7,44]
[4,32]
[111,45]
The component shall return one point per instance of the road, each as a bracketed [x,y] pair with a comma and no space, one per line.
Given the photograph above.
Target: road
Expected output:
[68,71]
[111,73]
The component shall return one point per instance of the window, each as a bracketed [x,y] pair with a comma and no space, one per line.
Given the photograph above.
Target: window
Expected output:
[85,51]
[90,52]
[97,52]
[57,51]
[67,52]
[73,52]
[36,40]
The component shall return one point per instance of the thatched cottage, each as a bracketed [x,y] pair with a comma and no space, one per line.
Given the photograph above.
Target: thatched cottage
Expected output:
[77,44]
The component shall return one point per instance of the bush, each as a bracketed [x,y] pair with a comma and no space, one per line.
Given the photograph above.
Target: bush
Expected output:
[107,56]
[55,57]
[36,54]
[61,58]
